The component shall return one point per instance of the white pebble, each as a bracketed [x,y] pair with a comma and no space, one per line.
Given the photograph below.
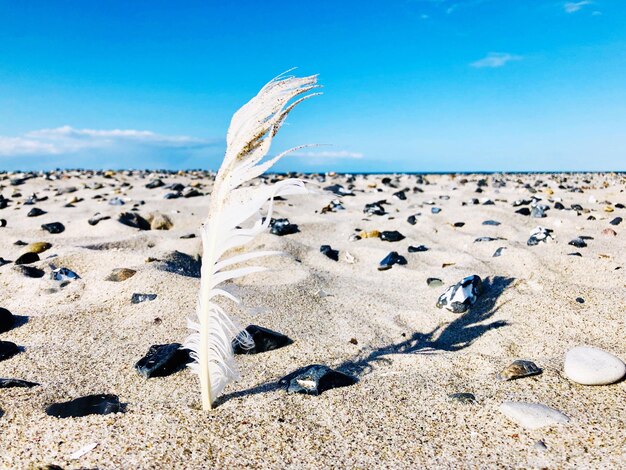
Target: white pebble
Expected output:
[592,366]
[532,415]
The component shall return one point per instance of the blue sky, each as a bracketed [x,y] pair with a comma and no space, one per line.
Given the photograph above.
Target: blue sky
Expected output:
[409,85]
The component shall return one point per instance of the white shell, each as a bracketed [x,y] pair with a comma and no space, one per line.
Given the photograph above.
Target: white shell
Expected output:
[592,366]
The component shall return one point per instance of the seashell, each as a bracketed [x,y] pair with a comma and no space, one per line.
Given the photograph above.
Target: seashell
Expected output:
[519,369]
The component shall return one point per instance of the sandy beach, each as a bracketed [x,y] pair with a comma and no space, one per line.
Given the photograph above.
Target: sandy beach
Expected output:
[84,336]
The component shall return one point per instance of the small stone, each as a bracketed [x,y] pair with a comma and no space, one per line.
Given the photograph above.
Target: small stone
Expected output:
[532,415]
[63,274]
[540,445]
[523,211]
[434,282]
[97,218]
[575,254]
[16,383]
[162,360]
[120,274]
[191,192]
[138,298]
[353,341]
[7,320]
[412,219]
[616,221]
[391,259]
[27,258]
[539,211]
[54,227]
[187,236]
[400,195]
[578,243]
[608,209]
[370,234]
[518,369]
[3,261]
[539,234]
[116,201]
[460,297]
[29,271]
[38,247]
[491,222]
[486,239]
[339,190]
[85,406]
[580,300]
[263,340]
[463,397]
[134,220]
[3,223]
[559,206]
[417,249]
[499,251]
[316,379]
[282,227]
[160,221]
[35,212]
[8,350]
[459,224]
[587,365]
[329,252]
[156,183]
[609,232]
[375,208]
[435,210]
[391,236]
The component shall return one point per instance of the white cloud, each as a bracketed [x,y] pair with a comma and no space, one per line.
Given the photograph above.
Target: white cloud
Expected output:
[573,7]
[330,154]
[495,60]
[68,140]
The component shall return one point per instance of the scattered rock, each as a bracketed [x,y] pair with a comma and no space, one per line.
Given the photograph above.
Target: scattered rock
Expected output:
[162,360]
[138,298]
[263,340]
[329,252]
[518,369]
[435,210]
[7,320]
[539,211]
[16,383]
[616,221]
[499,251]
[339,190]
[487,239]
[417,249]
[97,218]
[578,243]
[463,397]
[27,258]
[580,300]
[35,212]
[29,271]
[375,208]
[8,350]
[160,221]
[460,297]
[609,232]
[391,236]
[63,274]
[532,415]
[316,379]
[539,234]
[3,261]
[120,274]
[491,222]
[391,259]
[156,183]
[434,282]
[412,219]
[400,195]
[38,247]
[132,219]
[85,406]
[587,365]
[523,211]
[54,227]
[282,227]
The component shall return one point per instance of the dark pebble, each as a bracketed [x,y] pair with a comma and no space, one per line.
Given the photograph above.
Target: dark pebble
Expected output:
[434,282]
[559,206]
[491,222]
[316,379]
[162,360]
[27,258]
[391,259]
[463,397]
[391,236]
[400,195]
[54,227]
[575,254]
[8,350]
[3,223]
[3,261]
[282,227]
[134,220]
[417,249]
[138,298]
[263,340]
[435,210]
[35,212]
[156,183]
[523,211]
[85,406]
[616,221]
[7,320]
[30,271]
[486,239]
[580,300]
[499,251]
[329,252]
[460,297]
[459,224]
[412,219]
[578,243]
[97,218]
[20,243]
[188,236]
[15,383]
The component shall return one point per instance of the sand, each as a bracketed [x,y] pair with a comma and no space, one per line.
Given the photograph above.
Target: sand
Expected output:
[86,337]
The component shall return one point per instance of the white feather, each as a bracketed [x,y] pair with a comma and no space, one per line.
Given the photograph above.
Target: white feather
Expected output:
[248,140]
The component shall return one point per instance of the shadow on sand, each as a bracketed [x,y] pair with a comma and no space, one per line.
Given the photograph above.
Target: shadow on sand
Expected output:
[455,336]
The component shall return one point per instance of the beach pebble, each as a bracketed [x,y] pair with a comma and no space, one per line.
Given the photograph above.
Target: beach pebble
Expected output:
[518,369]
[38,247]
[155,183]
[53,227]
[538,211]
[532,415]
[29,271]
[3,261]
[191,192]
[7,320]
[162,360]
[375,208]
[609,232]
[412,219]
[132,219]
[263,340]
[63,274]
[417,249]
[3,223]
[523,211]
[616,221]
[8,350]
[339,190]
[486,239]
[499,252]
[435,210]
[463,397]
[35,212]
[16,383]
[97,217]
[578,243]
[400,195]
[461,296]
[329,252]
[391,236]
[116,201]
[120,274]
[85,406]
[434,282]
[495,223]
[282,227]
[391,259]
[138,298]
[593,366]
[316,379]
[160,221]
[27,258]
[539,234]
